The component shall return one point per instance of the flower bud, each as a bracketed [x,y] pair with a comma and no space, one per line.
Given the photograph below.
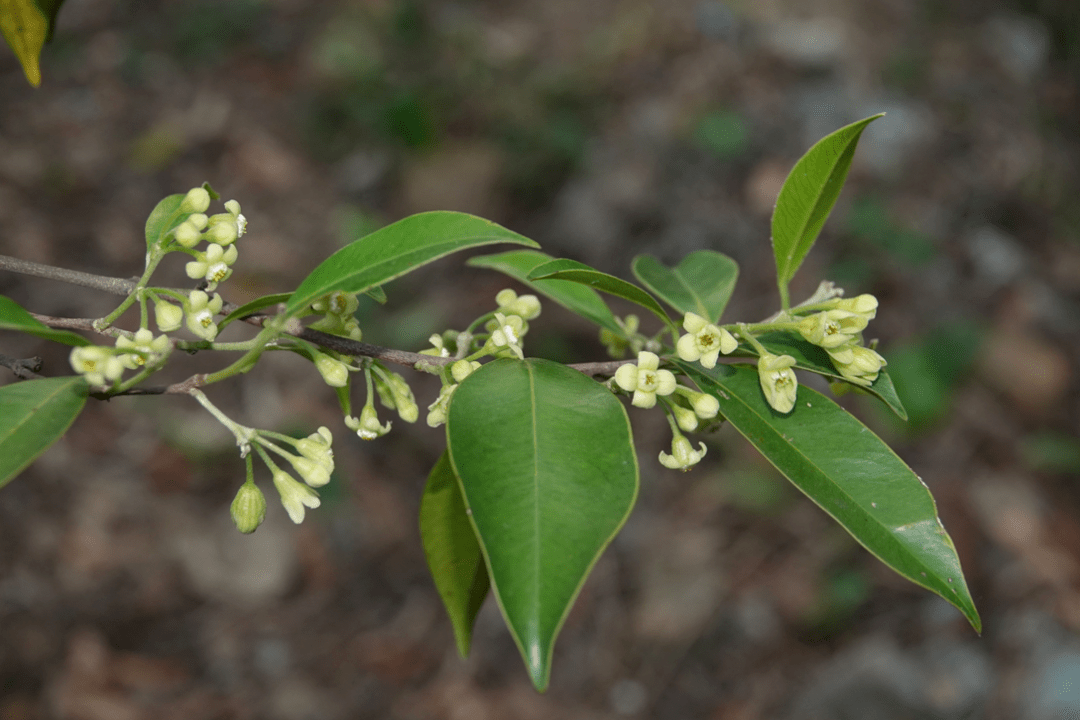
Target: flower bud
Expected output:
[248,508]
[686,418]
[313,473]
[167,316]
[705,406]
[196,201]
[334,372]
[187,234]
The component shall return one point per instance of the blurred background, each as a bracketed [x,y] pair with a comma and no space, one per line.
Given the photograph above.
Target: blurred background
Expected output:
[600,129]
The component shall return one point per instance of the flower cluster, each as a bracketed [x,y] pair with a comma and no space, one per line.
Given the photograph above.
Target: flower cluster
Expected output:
[837,327]
[214,265]
[337,310]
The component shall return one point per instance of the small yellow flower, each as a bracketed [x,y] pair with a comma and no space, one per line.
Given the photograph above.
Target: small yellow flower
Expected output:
[705,341]
[295,496]
[683,456]
[857,364]
[201,311]
[645,380]
[832,328]
[778,381]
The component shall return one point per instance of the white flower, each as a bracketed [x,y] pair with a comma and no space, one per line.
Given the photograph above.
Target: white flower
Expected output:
[201,310]
[367,426]
[857,364]
[214,265]
[99,365]
[437,410]
[683,456]
[778,381]
[148,349]
[507,334]
[224,228]
[832,328]
[645,380]
[704,342]
[295,496]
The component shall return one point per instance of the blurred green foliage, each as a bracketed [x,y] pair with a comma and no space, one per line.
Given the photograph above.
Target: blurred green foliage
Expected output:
[870,222]
[723,133]
[926,370]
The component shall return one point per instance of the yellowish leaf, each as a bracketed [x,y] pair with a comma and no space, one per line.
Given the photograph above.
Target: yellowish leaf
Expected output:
[25,28]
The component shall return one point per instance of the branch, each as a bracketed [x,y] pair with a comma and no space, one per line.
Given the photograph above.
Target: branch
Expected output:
[116,286]
[23,368]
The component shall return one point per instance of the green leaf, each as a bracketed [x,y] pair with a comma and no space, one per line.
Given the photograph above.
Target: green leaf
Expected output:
[453,553]
[574,271]
[808,195]
[163,219]
[25,28]
[547,467]
[250,308]
[33,415]
[13,317]
[49,8]
[813,358]
[702,283]
[397,249]
[576,298]
[850,473]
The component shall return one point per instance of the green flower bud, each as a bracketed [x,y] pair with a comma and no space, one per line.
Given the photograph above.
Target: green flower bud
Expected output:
[334,372]
[248,508]
[197,200]
[167,316]
[686,418]
[187,235]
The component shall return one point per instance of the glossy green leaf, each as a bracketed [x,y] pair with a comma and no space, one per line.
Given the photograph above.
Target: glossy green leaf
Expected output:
[13,317]
[250,308]
[850,473]
[397,249]
[25,27]
[453,553]
[547,467]
[808,195]
[576,298]
[701,283]
[33,415]
[163,219]
[574,271]
[813,358]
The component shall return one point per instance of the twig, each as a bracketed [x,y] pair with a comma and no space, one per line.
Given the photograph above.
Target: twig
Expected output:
[116,286]
[23,368]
